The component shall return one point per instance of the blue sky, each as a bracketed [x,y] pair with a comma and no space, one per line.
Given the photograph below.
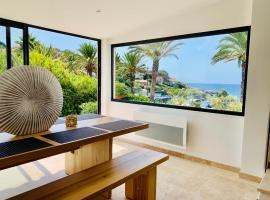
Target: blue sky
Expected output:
[58,40]
[194,64]
[2,34]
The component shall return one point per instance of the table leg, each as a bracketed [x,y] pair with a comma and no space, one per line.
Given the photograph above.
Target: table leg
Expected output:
[142,187]
[88,156]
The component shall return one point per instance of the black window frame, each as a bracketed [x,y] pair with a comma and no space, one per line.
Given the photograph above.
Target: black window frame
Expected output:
[177,37]
[25,27]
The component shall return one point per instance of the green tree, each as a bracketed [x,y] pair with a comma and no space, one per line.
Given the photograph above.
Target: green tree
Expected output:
[131,61]
[90,107]
[77,89]
[140,98]
[156,52]
[32,42]
[177,101]
[222,93]
[120,75]
[229,103]
[218,103]
[196,104]
[233,47]
[71,59]
[164,74]
[88,58]
[3,60]
[121,90]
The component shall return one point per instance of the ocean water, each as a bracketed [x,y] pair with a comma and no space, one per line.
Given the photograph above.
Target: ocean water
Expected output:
[232,89]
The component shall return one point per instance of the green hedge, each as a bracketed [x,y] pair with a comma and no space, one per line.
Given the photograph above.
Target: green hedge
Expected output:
[77,89]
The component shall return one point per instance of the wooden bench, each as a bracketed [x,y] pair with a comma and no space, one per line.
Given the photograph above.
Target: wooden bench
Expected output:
[137,169]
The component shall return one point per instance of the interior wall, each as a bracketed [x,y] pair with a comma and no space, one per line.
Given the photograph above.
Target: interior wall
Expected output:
[258,93]
[211,136]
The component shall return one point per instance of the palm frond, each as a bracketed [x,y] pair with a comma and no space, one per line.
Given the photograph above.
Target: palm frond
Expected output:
[231,47]
[157,50]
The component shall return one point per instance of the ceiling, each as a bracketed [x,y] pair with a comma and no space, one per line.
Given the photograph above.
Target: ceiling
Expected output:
[80,16]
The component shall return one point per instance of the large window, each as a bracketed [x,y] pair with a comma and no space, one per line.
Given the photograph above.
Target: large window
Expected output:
[73,59]
[204,71]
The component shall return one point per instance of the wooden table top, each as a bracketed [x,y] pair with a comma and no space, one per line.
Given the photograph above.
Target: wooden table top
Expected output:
[106,127]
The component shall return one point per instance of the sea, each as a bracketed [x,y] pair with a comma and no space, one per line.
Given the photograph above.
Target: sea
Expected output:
[232,89]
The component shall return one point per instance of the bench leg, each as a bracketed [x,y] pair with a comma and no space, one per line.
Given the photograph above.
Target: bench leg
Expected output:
[142,187]
[88,156]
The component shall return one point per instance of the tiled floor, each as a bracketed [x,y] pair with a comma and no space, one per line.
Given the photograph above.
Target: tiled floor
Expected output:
[178,179]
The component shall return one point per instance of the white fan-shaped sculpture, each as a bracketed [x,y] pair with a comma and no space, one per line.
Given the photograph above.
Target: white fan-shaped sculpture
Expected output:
[31,100]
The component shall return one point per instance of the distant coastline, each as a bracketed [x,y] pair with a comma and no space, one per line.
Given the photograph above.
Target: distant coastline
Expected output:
[232,89]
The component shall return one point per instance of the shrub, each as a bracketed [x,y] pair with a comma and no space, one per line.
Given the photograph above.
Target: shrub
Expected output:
[229,103]
[121,89]
[196,104]
[86,86]
[222,93]
[90,107]
[173,91]
[77,89]
[180,85]
[177,101]
[235,106]
[139,98]
[194,93]
[217,103]
[3,62]
[72,101]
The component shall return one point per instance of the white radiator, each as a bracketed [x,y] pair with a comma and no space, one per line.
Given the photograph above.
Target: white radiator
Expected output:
[167,131]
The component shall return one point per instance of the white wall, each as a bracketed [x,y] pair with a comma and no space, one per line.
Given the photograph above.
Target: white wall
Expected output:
[258,93]
[105,76]
[211,136]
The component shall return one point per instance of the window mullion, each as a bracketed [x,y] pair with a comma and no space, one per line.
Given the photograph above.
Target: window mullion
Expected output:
[8,48]
[25,46]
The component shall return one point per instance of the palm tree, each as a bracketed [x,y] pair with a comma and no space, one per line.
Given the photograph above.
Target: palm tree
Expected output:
[71,59]
[233,47]
[131,61]
[156,52]
[88,58]
[32,42]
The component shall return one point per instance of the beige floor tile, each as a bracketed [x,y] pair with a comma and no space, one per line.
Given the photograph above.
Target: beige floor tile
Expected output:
[178,179]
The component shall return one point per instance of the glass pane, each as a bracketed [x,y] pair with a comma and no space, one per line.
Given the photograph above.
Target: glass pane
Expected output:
[3,51]
[203,72]
[16,37]
[73,60]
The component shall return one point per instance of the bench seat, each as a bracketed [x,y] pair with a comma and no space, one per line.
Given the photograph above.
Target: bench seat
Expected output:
[137,169]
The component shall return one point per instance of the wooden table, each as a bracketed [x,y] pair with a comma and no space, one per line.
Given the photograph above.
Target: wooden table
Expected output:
[81,153]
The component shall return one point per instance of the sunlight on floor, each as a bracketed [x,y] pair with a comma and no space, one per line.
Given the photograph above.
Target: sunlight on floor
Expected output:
[177,179]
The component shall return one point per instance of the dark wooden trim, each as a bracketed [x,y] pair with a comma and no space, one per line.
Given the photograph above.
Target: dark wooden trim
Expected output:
[177,37]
